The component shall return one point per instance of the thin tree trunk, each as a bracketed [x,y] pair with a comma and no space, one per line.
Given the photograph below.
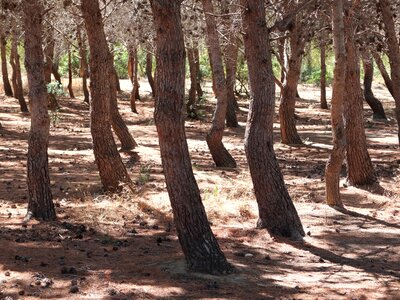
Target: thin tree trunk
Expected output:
[198,243]
[16,77]
[289,134]
[393,53]
[70,89]
[230,65]
[111,168]
[373,102]
[276,210]
[360,169]
[221,156]
[6,83]
[386,77]
[48,65]
[191,104]
[40,204]
[198,72]
[117,84]
[324,104]
[83,65]
[133,71]
[149,71]
[56,73]
[335,161]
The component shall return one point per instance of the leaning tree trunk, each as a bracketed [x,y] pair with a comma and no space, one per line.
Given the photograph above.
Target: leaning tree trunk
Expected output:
[335,161]
[6,83]
[70,89]
[198,243]
[111,168]
[149,72]
[386,78]
[83,65]
[289,134]
[373,102]
[16,77]
[276,210]
[324,104]
[40,204]
[359,165]
[393,53]
[221,156]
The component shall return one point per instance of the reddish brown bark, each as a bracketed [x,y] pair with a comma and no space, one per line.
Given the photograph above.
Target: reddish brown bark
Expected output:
[198,72]
[111,168]
[191,104]
[70,90]
[40,204]
[83,64]
[324,104]
[199,245]
[6,82]
[276,210]
[133,75]
[149,72]
[220,154]
[386,77]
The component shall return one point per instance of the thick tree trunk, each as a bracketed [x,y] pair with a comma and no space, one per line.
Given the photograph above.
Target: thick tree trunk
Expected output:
[40,204]
[70,89]
[335,161]
[324,104]
[6,83]
[133,74]
[198,243]
[191,104]
[287,106]
[360,169]
[111,168]
[221,156]
[149,72]
[16,77]
[393,53]
[83,65]
[386,78]
[373,102]
[276,210]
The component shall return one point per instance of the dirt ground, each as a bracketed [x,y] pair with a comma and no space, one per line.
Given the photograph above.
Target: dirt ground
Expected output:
[125,246]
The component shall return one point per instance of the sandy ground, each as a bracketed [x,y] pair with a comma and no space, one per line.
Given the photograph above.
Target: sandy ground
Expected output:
[125,246]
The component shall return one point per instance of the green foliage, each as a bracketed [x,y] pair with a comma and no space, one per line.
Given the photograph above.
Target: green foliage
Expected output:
[63,65]
[144,175]
[311,67]
[55,88]
[121,58]
[54,117]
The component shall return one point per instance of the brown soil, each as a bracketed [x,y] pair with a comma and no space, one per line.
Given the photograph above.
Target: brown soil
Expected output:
[125,246]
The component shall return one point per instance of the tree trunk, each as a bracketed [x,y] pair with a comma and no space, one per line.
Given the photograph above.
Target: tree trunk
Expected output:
[117,84]
[6,83]
[133,74]
[16,77]
[48,64]
[56,73]
[40,204]
[111,168]
[199,245]
[149,72]
[191,104]
[384,73]
[324,104]
[83,65]
[276,210]
[335,161]
[230,65]
[393,53]
[287,119]
[373,102]
[221,156]
[70,90]
[198,72]
[360,169]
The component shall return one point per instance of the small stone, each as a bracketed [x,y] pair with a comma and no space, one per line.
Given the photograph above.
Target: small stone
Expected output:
[7,273]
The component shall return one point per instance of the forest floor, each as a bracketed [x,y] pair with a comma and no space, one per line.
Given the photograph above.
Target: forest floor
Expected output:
[125,246]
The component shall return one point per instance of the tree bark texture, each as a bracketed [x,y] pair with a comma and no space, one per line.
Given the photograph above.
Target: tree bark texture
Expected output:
[382,69]
[276,210]
[198,243]
[393,53]
[70,89]
[198,72]
[335,161]
[289,134]
[16,77]
[48,64]
[360,168]
[40,204]
[6,82]
[373,102]
[221,156]
[191,104]
[324,104]
[111,168]
[133,74]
